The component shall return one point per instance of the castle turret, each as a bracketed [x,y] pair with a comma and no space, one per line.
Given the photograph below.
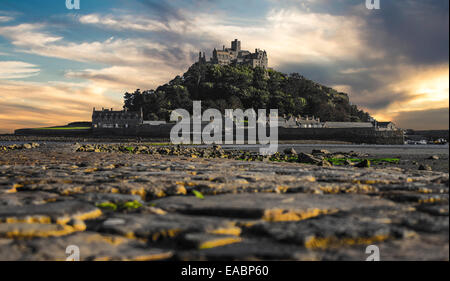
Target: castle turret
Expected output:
[236,45]
[201,59]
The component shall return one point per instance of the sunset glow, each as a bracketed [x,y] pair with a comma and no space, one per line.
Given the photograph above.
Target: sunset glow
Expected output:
[56,66]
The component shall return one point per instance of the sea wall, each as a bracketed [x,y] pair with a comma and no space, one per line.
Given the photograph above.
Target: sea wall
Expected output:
[49,132]
[355,135]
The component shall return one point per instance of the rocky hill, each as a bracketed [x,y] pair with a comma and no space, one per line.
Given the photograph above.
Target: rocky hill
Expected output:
[225,87]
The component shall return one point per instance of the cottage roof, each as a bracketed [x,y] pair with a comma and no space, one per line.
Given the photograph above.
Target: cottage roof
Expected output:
[348,125]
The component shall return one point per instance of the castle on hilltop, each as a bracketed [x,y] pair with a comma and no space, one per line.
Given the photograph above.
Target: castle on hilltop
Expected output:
[236,56]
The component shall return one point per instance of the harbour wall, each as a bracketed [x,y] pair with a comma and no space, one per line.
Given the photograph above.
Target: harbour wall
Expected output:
[354,135]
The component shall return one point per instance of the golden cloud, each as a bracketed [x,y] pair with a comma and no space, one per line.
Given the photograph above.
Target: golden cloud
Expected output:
[24,104]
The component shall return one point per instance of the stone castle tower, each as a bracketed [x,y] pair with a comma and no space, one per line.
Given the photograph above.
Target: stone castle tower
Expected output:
[235,55]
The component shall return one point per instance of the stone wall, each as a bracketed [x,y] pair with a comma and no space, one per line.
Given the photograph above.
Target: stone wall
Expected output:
[49,132]
[355,135]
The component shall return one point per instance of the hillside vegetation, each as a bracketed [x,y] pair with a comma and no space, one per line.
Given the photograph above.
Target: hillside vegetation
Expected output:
[231,87]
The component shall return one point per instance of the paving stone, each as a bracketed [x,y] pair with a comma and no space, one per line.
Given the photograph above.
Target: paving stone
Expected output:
[203,241]
[416,187]
[426,223]
[31,230]
[436,210]
[98,198]
[270,207]
[328,232]
[9,251]
[251,250]
[160,227]
[417,197]
[92,246]
[60,212]
[27,198]
[417,248]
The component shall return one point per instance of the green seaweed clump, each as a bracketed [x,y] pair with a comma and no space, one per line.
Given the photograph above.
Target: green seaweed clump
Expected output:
[131,205]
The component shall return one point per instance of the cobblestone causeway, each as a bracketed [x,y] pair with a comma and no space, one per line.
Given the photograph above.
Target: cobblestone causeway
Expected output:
[122,206]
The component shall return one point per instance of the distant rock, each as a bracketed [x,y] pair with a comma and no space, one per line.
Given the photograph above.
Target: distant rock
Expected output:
[27,146]
[424,167]
[308,158]
[348,163]
[320,151]
[290,151]
[339,156]
[325,163]
[363,164]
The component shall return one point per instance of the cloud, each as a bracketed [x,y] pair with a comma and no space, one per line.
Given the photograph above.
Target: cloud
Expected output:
[5,18]
[390,61]
[123,78]
[144,55]
[288,34]
[130,22]
[28,35]
[414,30]
[24,104]
[17,69]
[433,119]
[404,88]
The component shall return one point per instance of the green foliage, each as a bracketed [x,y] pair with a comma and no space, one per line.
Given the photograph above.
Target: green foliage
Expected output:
[198,194]
[107,206]
[224,87]
[131,205]
[341,161]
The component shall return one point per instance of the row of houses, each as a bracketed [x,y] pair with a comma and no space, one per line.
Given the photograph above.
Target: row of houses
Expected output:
[110,119]
[312,122]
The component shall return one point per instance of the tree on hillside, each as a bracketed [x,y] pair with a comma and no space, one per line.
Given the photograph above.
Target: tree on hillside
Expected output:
[241,86]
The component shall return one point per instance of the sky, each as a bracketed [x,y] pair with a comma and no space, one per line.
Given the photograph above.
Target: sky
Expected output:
[57,64]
